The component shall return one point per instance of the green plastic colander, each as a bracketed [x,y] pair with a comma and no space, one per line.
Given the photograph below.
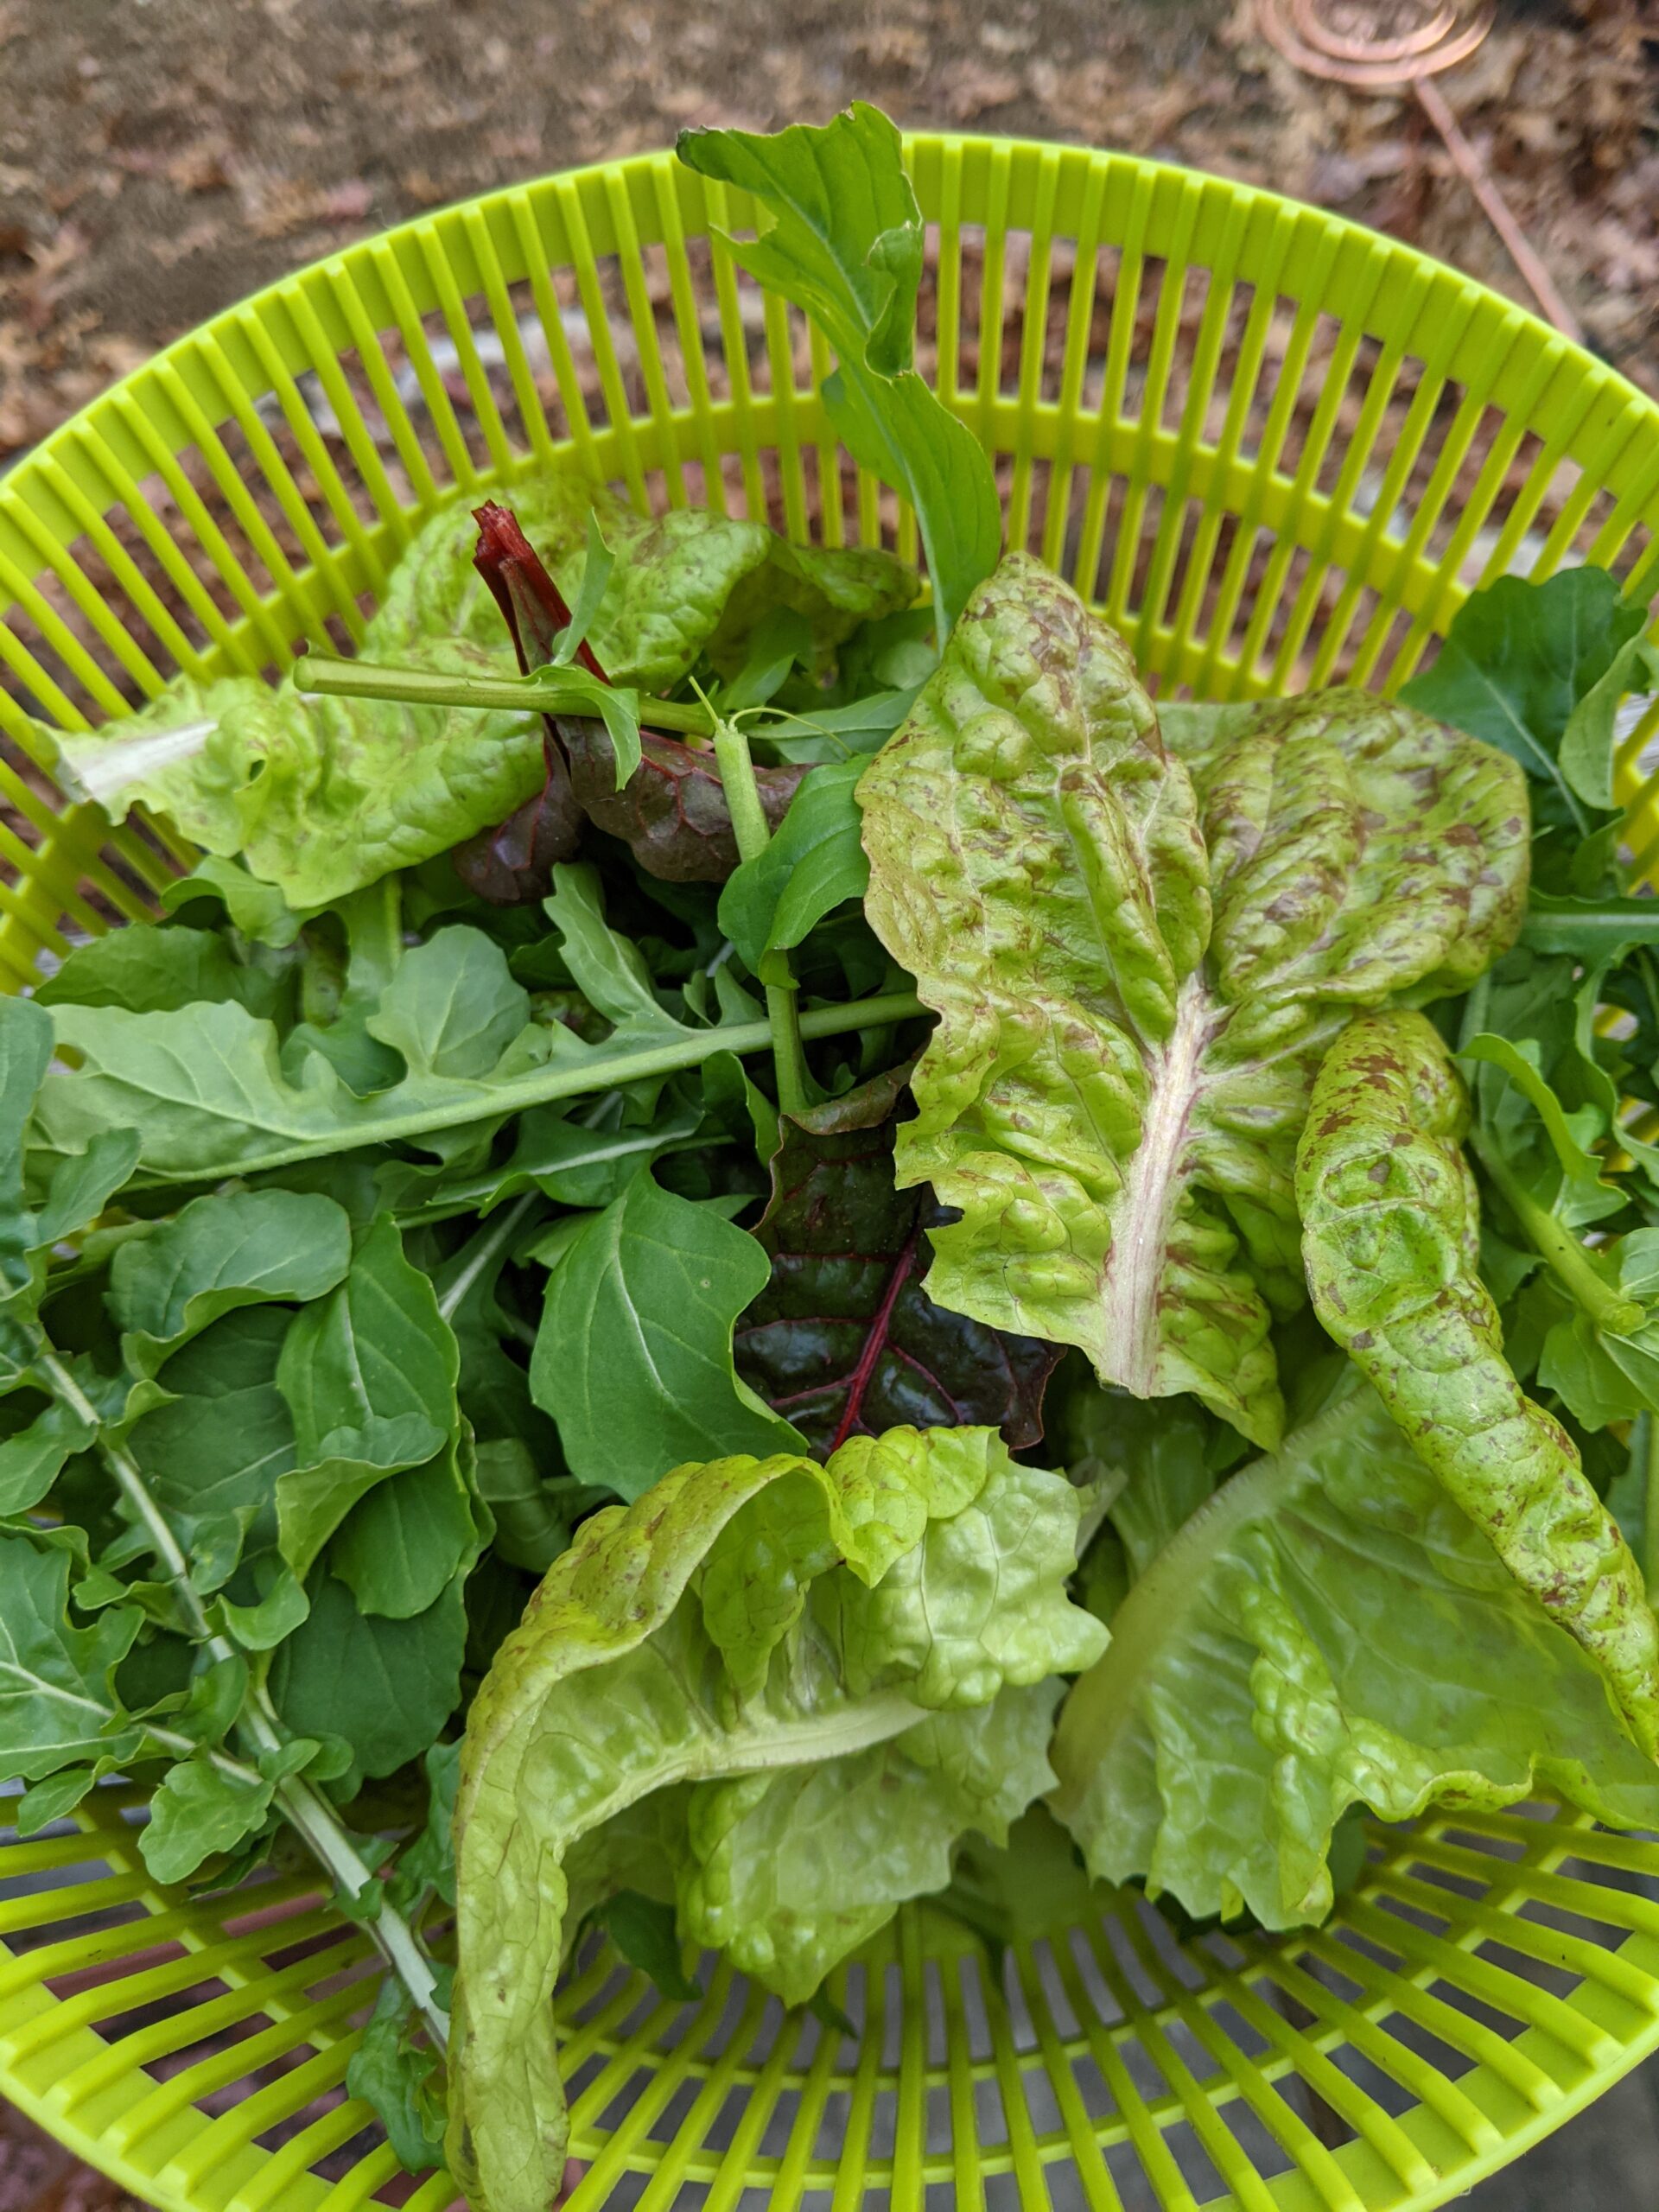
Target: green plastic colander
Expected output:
[1278,451]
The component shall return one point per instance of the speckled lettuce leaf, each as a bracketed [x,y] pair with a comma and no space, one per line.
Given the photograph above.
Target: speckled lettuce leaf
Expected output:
[689,584]
[320,796]
[1331,1629]
[616,1686]
[1392,1245]
[1137,964]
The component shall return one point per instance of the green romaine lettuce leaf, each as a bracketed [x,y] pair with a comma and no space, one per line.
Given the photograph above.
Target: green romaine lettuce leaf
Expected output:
[1391,1241]
[320,796]
[1330,1629]
[915,1575]
[687,585]
[1137,966]
[788,1871]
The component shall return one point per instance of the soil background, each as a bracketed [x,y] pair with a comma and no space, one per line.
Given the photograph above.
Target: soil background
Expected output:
[159,159]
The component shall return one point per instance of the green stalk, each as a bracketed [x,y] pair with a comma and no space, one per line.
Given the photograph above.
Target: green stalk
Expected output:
[1560,1249]
[307,1812]
[1651,1513]
[544,691]
[750,828]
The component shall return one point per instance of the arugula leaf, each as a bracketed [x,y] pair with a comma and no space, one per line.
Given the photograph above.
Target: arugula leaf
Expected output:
[634,1357]
[369,1375]
[242,1247]
[1539,669]
[429,1862]
[1590,928]
[32,1459]
[403,1544]
[369,1372]
[845,243]
[55,1796]
[395,2075]
[813,863]
[1138,962]
[844,1340]
[615,1687]
[153,971]
[202,1095]
[830,734]
[1390,1239]
[385,1688]
[1331,1631]
[198,1810]
[256,910]
[531,1531]
[58,1703]
[214,1451]
[642,1929]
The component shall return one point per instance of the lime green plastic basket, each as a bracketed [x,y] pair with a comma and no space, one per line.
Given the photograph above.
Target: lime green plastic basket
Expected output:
[1278,451]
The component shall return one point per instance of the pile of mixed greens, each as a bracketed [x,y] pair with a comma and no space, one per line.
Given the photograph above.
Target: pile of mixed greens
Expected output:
[821,1228]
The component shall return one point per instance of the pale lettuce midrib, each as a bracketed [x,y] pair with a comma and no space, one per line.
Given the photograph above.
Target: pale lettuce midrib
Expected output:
[1152,1182]
[1161,1601]
[716,1753]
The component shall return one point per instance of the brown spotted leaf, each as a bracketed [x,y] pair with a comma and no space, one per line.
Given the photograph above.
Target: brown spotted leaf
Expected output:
[1390,1238]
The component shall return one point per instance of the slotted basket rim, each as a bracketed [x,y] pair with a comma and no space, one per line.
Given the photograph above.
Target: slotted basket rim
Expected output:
[29,485]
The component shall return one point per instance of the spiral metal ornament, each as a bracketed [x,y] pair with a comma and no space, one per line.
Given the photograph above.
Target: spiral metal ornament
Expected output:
[1382,45]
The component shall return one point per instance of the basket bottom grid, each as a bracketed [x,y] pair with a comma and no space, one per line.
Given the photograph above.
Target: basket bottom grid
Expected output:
[1487,1973]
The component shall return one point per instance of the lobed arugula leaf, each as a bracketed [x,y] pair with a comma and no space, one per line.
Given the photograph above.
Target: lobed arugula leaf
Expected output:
[58,1702]
[396,2074]
[845,243]
[199,1810]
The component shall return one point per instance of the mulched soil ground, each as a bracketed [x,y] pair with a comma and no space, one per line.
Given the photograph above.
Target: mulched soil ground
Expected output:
[158,162]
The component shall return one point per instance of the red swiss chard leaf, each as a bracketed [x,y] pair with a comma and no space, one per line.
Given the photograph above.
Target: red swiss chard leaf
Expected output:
[531,604]
[844,1339]
[512,864]
[671,813]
